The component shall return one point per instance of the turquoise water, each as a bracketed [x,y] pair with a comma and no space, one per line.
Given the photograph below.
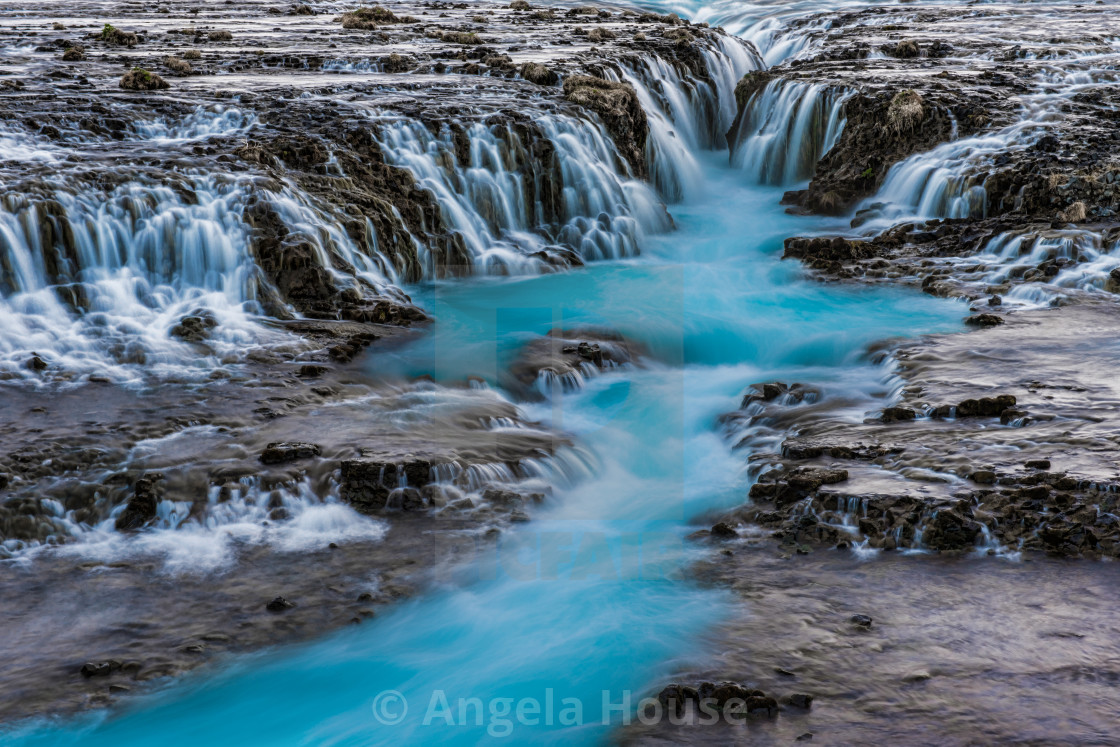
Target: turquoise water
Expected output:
[590,596]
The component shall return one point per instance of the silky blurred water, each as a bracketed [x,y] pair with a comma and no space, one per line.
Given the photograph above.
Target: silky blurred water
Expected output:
[590,596]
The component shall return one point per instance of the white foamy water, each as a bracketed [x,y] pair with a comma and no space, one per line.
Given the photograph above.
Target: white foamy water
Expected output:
[786,128]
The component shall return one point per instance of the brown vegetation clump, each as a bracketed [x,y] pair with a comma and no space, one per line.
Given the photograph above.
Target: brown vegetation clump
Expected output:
[216,36]
[905,49]
[457,37]
[139,79]
[114,36]
[534,72]
[368,19]
[398,63]
[907,110]
[1075,213]
[177,65]
[75,53]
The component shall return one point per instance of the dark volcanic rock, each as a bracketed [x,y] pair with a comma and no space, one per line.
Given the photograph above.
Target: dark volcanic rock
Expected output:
[289,451]
[141,509]
[724,531]
[279,604]
[984,320]
[618,106]
[368,483]
[565,355]
[948,530]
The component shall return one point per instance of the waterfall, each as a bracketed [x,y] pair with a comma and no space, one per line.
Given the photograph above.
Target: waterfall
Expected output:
[1057,258]
[949,181]
[96,280]
[946,182]
[686,113]
[523,205]
[785,129]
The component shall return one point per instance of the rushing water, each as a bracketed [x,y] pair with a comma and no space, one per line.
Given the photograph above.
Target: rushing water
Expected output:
[590,596]
[591,603]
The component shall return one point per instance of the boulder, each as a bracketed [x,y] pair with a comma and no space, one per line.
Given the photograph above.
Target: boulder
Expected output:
[367,483]
[141,508]
[289,451]
[279,604]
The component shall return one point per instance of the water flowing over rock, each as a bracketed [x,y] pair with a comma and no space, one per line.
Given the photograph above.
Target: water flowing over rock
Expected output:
[307,309]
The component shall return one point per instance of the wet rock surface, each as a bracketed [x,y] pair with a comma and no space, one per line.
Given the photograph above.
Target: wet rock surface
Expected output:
[942,629]
[563,359]
[179,513]
[1002,443]
[292,133]
[89,631]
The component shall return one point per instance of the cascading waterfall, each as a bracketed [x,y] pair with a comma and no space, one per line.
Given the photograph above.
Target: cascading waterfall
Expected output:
[93,281]
[949,180]
[1079,259]
[521,212]
[785,129]
[946,182]
[124,267]
[687,114]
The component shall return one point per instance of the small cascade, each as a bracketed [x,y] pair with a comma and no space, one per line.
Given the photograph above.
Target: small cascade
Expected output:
[312,221]
[688,113]
[1068,258]
[949,181]
[946,182]
[234,516]
[204,122]
[785,129]
[96,280]
[523,203]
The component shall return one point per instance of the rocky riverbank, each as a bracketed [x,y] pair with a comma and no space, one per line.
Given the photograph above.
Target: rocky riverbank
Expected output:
[208,218]
[218,225]
[995,132]
[976,160]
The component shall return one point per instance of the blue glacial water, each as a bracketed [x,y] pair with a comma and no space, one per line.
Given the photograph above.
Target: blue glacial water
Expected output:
[590,596]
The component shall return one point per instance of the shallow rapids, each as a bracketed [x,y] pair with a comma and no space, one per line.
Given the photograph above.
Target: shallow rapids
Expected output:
[591,595]
[600,595]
